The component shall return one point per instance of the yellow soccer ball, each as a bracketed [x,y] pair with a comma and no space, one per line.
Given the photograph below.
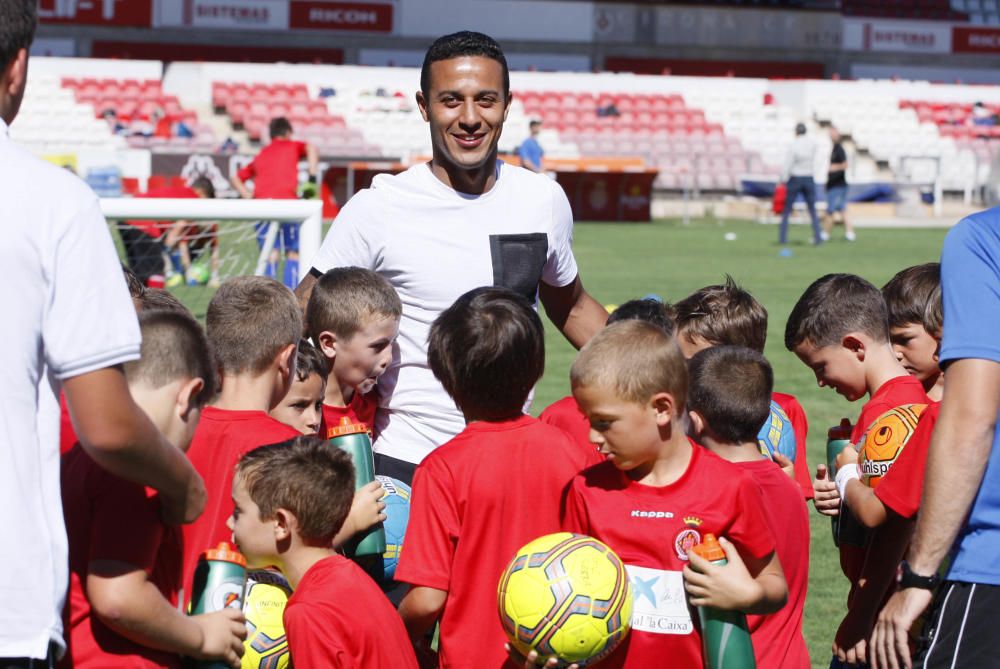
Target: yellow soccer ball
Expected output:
[565,596]
[884,441]
[264,605]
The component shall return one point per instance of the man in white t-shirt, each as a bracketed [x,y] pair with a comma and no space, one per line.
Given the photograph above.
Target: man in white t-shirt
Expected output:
[439,229]
[70,324]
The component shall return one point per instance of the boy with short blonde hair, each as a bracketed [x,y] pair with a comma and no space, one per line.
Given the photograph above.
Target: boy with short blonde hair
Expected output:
[122,605]
[254,324]
[290,499]
[658,494]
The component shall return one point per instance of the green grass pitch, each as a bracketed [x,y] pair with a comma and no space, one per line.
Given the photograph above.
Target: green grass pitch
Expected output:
[623,261]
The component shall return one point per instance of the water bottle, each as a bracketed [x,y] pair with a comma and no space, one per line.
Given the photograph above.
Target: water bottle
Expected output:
[353,438]
[837,439]
[219,583]
[725,638]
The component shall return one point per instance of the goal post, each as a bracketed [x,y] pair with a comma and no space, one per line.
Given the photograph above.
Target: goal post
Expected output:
[308,213]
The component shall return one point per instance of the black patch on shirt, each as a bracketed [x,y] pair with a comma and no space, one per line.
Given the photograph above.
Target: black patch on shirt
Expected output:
[518,261]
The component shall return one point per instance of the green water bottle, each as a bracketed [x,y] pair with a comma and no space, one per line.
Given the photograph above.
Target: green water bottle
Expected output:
[219,583]
[353,438]
[725,638]
[837,439]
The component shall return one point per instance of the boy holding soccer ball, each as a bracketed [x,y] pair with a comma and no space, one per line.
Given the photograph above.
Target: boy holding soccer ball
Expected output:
[657,494]
[290,499]
[493,488]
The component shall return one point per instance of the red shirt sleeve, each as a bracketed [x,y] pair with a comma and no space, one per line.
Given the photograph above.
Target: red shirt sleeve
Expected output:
[433,529]
[800,426]
[749,531]
[302,146]
[574,510]
[309,643]
[902,486]
[125,524]
[248,171]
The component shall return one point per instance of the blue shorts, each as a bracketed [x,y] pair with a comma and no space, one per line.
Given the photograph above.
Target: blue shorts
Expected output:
[836,199]
[288,236]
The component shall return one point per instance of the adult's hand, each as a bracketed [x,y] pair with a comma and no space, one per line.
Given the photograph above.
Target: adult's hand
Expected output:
[890,643]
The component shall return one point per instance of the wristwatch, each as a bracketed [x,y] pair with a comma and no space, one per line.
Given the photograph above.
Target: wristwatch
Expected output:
[906,578]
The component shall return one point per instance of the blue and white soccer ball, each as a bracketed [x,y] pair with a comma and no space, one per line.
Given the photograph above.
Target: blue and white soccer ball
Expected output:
[397,512]
[777,435]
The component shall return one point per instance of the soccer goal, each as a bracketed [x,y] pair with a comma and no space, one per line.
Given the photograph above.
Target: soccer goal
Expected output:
[223,237]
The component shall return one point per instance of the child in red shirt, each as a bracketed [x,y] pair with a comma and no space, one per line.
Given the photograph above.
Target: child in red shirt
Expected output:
[353,318]
[290,499]
[840,329]
[122,604]
[254,325]
[493,488]
[727,315]
[727,401]
[658,493]
[275,175]
[565,413]
[913,298]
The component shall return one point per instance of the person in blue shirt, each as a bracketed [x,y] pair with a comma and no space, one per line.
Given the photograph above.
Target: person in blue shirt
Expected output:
[960,514]
[530,150]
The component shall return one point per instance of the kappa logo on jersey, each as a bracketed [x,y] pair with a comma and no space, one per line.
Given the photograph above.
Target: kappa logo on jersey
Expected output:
[640,513]
[689,537]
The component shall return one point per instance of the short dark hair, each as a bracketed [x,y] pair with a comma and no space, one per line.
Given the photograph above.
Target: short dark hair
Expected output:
[18,19]
[488,351]
[279,127]
[136,289]
[305,477]
[249,320]
[723,315]
[344,298]
[458,45]
[174,347]
[205,185]
[909,293]
[730,386]
[158,299]
[834,305]
[310,360]
[646,309]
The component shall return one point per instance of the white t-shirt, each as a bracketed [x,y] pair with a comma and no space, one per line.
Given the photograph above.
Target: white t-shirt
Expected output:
[434,244]
[68,313]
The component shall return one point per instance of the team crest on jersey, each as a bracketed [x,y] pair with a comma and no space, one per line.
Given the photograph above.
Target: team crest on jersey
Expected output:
[688,538]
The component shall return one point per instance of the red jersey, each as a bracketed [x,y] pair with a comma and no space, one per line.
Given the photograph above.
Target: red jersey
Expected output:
[109,518]
[275,170]
[221,438]
[338,618]
[800,426]
[566,415]
[902,486]
[361,411]
[476,501]
[155,229]
[652,529]
[891,394]
[777,638]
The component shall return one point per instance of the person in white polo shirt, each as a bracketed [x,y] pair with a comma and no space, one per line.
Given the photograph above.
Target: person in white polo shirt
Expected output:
[70,325]
[462,221]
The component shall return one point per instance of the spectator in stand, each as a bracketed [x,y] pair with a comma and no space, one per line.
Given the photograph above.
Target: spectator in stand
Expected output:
[981,115]
[75,327]
[836,190]
[799,173]
[530,150]
[275,175]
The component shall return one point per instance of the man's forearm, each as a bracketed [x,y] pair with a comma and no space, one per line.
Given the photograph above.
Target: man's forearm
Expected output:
[959,451]
[571,309]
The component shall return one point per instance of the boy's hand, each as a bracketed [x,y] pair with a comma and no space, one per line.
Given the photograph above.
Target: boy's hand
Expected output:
[786,464]
[825,499]
[531,662]
[848,456]
[729,587]
[367,509]
[222,634]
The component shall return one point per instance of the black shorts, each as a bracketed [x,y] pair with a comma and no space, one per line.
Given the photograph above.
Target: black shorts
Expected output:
[960,628]
[401,470]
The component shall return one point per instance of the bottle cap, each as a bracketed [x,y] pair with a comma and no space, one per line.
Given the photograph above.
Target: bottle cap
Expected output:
[225,552]
[842,431]
[710,548]
[345,427]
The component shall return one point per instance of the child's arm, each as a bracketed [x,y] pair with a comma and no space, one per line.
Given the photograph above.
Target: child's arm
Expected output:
[753,586]
[421,606]
[825,497]
[366,511]
[863,503]
[125,600]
